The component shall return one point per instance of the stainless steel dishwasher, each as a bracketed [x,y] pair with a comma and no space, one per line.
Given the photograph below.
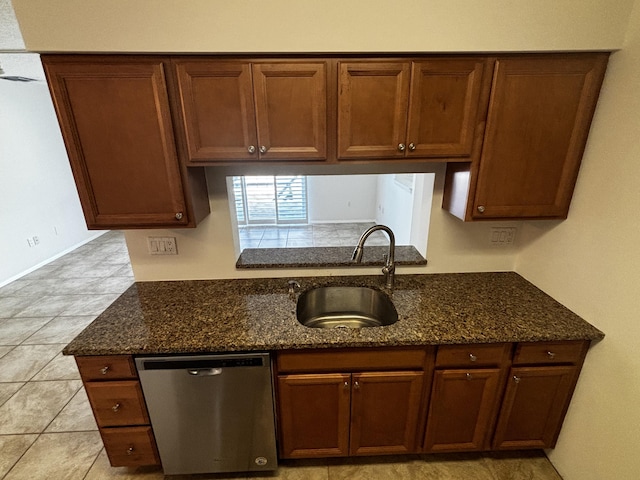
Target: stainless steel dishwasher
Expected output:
[211,413]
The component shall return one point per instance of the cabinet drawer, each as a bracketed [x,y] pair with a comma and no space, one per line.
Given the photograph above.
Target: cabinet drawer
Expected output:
[550,352]
[117,403]
[472,355]
[352,359]
[130,446]
[106,367]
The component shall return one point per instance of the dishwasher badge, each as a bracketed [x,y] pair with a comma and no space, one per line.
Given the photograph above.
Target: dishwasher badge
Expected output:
[262,461]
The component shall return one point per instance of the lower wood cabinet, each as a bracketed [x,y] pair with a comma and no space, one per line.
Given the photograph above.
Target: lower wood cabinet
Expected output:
[350,413]
[115,395]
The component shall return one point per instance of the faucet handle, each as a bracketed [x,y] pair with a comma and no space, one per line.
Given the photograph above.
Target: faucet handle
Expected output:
[294,286]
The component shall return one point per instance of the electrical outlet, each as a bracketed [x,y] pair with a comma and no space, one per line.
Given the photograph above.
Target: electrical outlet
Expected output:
[162,245]
[30,242]
[36,240]
[502,236]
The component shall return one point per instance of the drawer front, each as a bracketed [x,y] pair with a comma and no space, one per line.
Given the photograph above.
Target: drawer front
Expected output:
[473,355]
[117,403]
[106,367]
[332,360]
[130,446]
[550,352]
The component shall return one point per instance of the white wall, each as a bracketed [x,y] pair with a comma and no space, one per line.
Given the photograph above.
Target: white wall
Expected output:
[394,208]
[321,26]
[591,263]
[37,193]
[337,198]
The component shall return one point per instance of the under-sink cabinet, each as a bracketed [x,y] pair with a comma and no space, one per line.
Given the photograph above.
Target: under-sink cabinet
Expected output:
[114,392]
[350,402]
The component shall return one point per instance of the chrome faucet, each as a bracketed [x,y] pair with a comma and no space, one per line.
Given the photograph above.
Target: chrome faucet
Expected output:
[389,268]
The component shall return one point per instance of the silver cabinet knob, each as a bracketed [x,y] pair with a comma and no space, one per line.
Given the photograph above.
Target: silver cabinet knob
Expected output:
[346,385]
[551,354]
[481,208]
[251,149]
[356,385]
[104,370]
[469,376]
[401,147]
[412,146]
[130,450]
[116,407]
[516,379]
[263,149]
[472,357]
[179,216]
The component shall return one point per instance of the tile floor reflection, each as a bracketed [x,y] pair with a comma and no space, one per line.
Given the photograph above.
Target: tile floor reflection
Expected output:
[47,431]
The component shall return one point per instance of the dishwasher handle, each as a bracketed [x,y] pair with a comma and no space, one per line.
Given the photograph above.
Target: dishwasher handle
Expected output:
[204,372]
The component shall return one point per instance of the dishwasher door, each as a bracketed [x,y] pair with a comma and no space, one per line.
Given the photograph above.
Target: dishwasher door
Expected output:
[211,413]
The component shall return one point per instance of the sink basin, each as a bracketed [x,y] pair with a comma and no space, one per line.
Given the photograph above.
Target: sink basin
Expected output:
[345,307]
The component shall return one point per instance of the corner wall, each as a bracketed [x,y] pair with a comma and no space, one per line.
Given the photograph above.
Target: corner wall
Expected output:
[591,264]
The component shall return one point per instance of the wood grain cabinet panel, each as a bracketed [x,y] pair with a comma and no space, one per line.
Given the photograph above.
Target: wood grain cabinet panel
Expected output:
[250,111]
[115,119]
[117,403]
[130,446]
[402,109]
[106,367]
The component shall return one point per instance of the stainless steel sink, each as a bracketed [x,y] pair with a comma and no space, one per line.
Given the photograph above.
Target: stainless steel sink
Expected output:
[345,307]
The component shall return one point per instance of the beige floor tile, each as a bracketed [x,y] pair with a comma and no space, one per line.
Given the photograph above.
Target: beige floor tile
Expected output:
[13,331]
[8,389]
[12,447]
[4,350]
[11,305]
[521,466]
[61,329]
[102,470]
[89,304]
[59,456]
[24,361]
[62,367]
[35,405]
[76,416]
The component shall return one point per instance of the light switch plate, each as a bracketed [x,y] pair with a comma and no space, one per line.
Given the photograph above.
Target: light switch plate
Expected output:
[162,245]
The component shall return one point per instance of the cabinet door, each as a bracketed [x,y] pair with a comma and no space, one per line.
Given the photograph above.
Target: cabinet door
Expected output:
[444,103]
[313,412]
[385,407]
[372,109]
[216,100]
[534,406]
[291,110]
[115,120]
[462,409]
[539,117]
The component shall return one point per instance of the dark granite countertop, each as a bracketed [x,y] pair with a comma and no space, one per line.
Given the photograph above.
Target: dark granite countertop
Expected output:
[257,314]
[318,257]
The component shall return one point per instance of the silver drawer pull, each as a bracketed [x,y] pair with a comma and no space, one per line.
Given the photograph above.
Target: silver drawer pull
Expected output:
[516,379]
[116,407]
[551,354]
[472,357]
[130,450]
[104,370]
[469,376]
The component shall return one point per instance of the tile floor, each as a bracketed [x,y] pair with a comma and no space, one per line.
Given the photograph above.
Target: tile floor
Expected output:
[316,235]
[47,430]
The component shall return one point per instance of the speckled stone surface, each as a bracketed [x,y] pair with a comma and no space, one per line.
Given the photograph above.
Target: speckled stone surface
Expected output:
[318,257]
[257,314]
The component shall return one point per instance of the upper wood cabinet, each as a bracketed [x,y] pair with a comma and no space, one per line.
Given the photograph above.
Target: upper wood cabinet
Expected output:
[116,123]
[402,109]
[238,110]
[537,126]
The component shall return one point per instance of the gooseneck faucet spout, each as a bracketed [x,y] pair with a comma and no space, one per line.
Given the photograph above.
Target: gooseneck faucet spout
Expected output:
[389,268]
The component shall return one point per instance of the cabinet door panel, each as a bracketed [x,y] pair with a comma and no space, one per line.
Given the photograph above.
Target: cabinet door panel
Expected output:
[445,96]
[539,116]
[291,109]
[216,99]
[384,412]
[372,109]
[117,128]
[534,406]
[117,403]
[463,405]
[130,446]
[313,412]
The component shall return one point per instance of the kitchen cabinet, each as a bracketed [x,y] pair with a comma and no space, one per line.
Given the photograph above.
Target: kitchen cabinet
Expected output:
[235,110]
[114,392]
[465,396]
[538,121]
[354,412]
[116,123]
[392,109]
[539,389]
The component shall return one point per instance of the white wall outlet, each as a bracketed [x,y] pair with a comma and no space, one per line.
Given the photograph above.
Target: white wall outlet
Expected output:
[502,236]
[33,241]
[162,245]
[30,242]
